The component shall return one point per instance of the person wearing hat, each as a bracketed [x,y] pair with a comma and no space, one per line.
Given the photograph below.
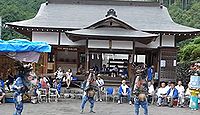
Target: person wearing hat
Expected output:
[68,77]
[21,85]
[100,84]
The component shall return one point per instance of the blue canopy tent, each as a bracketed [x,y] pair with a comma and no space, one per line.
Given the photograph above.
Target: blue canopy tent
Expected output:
[23,50]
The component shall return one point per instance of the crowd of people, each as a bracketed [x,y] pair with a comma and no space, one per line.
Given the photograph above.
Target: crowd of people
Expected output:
[143,91]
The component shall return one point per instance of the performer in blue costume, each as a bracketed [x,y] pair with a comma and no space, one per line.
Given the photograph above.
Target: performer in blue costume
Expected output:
[21,85]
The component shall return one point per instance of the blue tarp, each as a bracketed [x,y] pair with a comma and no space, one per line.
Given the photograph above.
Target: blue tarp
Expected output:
[23,45]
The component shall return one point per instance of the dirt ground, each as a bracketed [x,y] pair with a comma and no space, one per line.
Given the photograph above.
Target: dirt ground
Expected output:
[72,107]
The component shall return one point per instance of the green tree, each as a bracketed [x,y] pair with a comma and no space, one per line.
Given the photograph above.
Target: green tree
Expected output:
[17,10]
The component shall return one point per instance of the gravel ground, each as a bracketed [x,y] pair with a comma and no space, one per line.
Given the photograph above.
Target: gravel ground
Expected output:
[72,107]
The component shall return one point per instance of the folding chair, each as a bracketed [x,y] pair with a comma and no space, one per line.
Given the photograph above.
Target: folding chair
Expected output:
[53,94]
[109,93]
[43,94]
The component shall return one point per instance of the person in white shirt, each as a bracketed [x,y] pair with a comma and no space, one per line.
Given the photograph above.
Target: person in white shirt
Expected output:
[124,91]
[168,86]
[151,92]
[68,77]
[181,91]
[59,73]
[100,84]
[161,93]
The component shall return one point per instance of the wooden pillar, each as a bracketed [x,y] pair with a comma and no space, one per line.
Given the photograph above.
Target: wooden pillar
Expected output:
[159,59]
[131,70]
[86,56]
[161,39]
[133,52]
[110,44]
[59,38]
[45,63]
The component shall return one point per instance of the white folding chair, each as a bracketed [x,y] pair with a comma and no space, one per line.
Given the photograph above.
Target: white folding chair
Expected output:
[43,94]
[53,94]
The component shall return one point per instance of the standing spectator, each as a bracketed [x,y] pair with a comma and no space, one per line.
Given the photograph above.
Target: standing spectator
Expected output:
[124,91]
[161,93]
[150,73]
[172,95]
[89,92]
[181,91]
[68,77]
[100,84]
[141,91]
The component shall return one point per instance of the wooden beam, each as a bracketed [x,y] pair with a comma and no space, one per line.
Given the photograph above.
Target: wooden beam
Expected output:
[87,55]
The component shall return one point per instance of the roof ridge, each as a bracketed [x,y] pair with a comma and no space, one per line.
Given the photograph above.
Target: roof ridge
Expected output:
[105,2]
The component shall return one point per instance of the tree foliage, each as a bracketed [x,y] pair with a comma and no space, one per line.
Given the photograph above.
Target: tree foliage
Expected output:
[190,16]
[17,10]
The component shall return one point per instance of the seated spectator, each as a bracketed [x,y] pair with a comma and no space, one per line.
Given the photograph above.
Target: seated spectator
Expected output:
[115,71]
[57,85]
[187,96]
[2,94]
[151,92]
[181,91]
[80,70]
[59,73]
[68,77]
[172,95]
[168,85]
[2,83]
[161,93]
[95,68]
[125,74]
[104,69]
[124,91]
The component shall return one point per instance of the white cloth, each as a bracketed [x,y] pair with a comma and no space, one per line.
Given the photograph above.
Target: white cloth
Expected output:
[124,87]
[181,90]
[167,88]
[84,93]
[69,75]
[59,74]
[171,92]
[161,91]
[100,82]
[151,89]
